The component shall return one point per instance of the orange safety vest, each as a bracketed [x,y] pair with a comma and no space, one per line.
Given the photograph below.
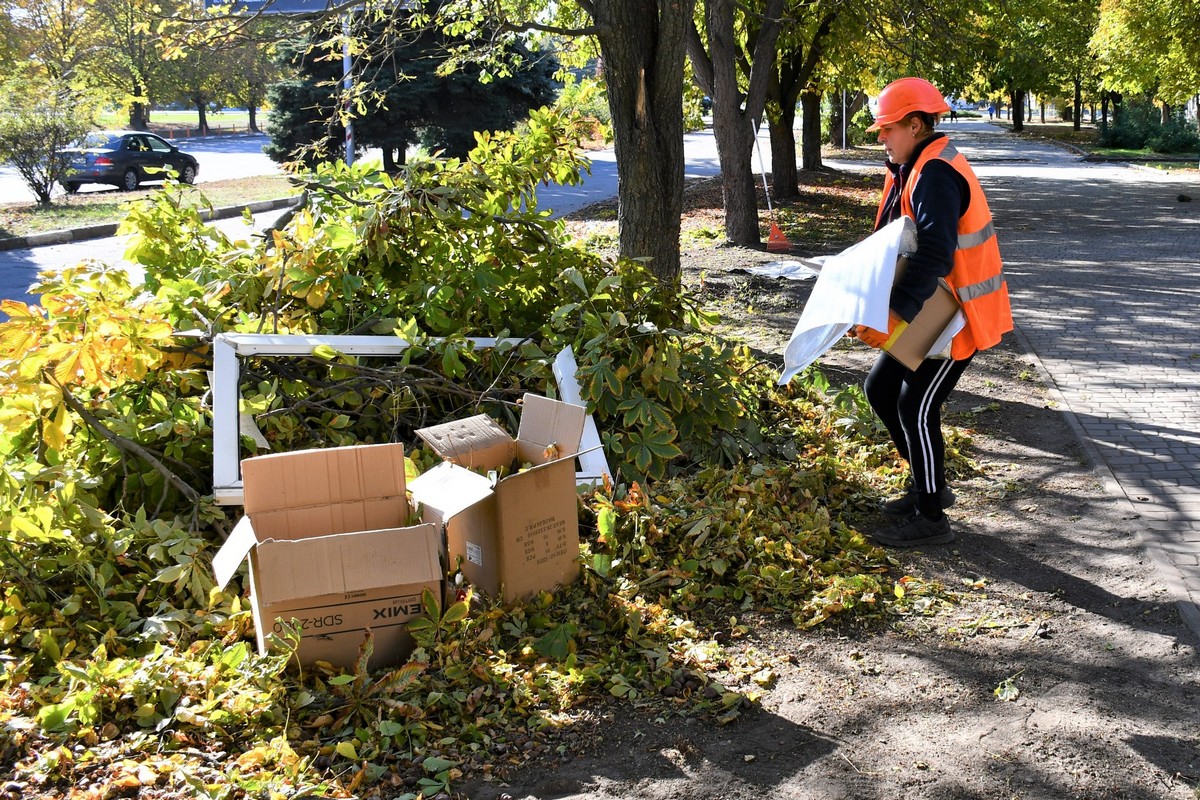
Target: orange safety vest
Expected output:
[977,277]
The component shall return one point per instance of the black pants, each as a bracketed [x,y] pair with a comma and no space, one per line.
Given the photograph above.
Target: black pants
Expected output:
[910,405]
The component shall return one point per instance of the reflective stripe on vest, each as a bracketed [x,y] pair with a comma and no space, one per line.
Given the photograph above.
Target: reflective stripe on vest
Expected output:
[968,240]
[977,290]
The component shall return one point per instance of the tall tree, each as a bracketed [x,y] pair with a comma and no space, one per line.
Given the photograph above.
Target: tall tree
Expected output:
[1073,65]
[1150,46]
[640,44]
[252,70]
[130,67]
[802,53]
[737,110]
[57,35]
[197,76]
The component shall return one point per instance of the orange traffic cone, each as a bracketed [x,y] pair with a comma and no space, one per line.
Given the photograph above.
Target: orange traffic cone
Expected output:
[776,241]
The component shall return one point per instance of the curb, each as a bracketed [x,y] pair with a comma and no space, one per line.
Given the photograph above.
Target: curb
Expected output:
[110,229]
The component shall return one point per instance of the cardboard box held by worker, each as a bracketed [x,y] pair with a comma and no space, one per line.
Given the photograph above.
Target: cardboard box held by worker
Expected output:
[329,546]
[931,330]
[513,534]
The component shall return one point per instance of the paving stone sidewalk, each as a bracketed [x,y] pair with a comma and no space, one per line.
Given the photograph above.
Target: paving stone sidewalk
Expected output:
[1103,262]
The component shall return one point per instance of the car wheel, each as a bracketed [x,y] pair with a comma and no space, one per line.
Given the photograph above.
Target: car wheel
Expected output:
[189,174]
[71,187]
[130,180]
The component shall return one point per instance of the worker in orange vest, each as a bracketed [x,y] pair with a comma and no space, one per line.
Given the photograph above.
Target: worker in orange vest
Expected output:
[929,181]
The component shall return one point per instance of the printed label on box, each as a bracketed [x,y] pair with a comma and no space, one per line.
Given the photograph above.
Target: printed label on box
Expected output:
[474,553]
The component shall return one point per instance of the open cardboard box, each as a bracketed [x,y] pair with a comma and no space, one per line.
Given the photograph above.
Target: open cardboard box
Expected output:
[326,534]
[517,534]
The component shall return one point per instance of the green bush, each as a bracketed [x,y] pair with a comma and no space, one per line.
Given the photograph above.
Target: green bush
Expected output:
[857,133]
[1139,126]
[1177,136]
[586,97]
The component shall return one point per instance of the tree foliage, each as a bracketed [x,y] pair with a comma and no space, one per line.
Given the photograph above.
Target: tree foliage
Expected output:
[1150,47]
[414,98]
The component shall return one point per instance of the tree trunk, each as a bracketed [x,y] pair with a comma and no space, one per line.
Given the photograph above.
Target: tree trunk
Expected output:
[735,112]
[1017,109]
[1117,100]
[642,45]
[810,130]
[201,116]
[840,119]
[794,68]
[782,92]
[1078,106]
[252,108]
[139,113]
[785,183]
[733,128]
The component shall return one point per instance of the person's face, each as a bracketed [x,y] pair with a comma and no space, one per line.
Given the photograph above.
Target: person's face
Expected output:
[900,140]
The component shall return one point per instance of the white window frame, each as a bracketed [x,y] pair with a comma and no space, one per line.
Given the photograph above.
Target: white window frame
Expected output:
[228,348]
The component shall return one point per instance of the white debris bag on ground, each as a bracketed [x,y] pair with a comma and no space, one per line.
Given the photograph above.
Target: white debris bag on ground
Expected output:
[854,288]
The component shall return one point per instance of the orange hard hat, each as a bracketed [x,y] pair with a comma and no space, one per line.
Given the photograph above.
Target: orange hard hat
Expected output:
[901,98]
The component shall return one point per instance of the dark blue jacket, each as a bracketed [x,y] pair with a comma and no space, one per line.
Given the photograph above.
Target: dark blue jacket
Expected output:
[939,199]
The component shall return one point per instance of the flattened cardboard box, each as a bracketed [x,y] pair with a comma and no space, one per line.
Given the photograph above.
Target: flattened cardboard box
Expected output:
[914,344]
[916,341]
[520,535]
[328,547]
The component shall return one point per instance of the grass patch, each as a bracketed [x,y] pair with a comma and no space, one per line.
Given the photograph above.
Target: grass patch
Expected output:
[217,120]
[99,208]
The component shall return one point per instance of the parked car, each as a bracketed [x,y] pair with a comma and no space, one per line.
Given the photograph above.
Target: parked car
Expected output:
[124,159]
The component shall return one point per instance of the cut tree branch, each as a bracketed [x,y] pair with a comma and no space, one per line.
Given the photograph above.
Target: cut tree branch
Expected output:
[127,445]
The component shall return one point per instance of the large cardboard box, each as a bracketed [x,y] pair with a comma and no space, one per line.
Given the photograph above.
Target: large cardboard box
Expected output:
[329,547]
[513,534]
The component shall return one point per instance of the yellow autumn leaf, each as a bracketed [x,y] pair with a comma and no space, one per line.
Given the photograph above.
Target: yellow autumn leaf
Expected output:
[105,327]
[285,755]
[17,311]
[66,370]
[346,750]
[16,341]
[58,430]
[55,351]
[92,360]
[158,329]
[317,295]
[256,757]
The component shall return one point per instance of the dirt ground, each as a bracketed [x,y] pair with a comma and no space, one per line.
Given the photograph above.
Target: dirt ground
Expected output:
[1060,611]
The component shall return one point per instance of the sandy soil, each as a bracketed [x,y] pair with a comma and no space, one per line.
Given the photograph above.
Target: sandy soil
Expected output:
[1059,605]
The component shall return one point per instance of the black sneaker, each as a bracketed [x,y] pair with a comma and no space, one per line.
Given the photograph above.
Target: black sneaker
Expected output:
[906,505]
[917,530]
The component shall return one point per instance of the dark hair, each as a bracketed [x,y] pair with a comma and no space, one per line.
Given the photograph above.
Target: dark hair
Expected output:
[927,119]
